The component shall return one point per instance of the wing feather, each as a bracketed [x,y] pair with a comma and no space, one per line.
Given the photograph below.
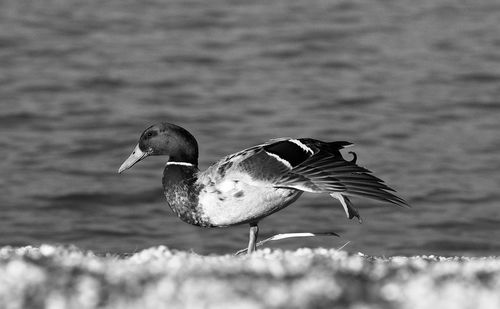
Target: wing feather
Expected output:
[333,174]
[315,167]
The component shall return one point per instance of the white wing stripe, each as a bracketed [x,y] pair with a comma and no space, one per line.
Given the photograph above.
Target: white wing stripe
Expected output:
[285,162]
[301,145]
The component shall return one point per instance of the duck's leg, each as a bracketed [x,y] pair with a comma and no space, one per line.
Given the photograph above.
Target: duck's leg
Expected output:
[254,232]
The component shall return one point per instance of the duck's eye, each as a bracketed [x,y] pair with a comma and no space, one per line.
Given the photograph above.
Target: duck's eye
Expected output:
[149,134]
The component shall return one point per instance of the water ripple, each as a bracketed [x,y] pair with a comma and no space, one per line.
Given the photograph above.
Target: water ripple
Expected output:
[412,84]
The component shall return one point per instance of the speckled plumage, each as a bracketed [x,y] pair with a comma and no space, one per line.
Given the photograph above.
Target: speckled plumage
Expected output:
[181,193]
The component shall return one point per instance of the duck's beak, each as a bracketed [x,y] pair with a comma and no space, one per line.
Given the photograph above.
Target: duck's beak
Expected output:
[136,156]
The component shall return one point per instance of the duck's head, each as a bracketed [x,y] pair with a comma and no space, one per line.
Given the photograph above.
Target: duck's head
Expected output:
[164,139]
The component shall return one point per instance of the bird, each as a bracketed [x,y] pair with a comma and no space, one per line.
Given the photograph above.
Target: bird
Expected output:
[249,185]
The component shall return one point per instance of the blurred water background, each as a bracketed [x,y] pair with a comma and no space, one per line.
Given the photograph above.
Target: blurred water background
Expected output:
[414,84]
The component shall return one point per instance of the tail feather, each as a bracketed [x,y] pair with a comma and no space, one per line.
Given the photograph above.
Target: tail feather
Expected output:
[366,189]
[362,180]
[380,196]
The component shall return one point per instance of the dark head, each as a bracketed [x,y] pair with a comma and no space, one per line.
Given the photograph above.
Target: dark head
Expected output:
[164,139]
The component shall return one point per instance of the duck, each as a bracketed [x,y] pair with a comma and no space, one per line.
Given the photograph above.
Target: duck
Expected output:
[249,185]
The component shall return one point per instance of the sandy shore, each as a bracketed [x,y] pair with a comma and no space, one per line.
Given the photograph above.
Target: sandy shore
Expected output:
[61,277]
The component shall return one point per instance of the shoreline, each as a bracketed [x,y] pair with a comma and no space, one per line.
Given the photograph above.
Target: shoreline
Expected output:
[67,277]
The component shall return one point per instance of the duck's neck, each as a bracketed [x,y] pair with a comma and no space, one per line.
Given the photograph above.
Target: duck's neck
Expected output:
[181,191]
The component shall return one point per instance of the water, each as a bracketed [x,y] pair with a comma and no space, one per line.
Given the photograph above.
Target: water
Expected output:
[415,85]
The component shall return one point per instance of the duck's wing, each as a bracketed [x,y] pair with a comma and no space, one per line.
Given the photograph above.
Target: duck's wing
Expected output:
[307,165]
[255,165]
[325,173]
[267,162]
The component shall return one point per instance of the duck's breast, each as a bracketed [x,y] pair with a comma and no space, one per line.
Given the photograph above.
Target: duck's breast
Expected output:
[241,199]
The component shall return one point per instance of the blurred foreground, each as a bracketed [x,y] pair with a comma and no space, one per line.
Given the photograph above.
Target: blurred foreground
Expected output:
[61,277]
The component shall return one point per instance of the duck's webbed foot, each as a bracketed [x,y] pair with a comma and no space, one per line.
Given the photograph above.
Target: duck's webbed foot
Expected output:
[351,211]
